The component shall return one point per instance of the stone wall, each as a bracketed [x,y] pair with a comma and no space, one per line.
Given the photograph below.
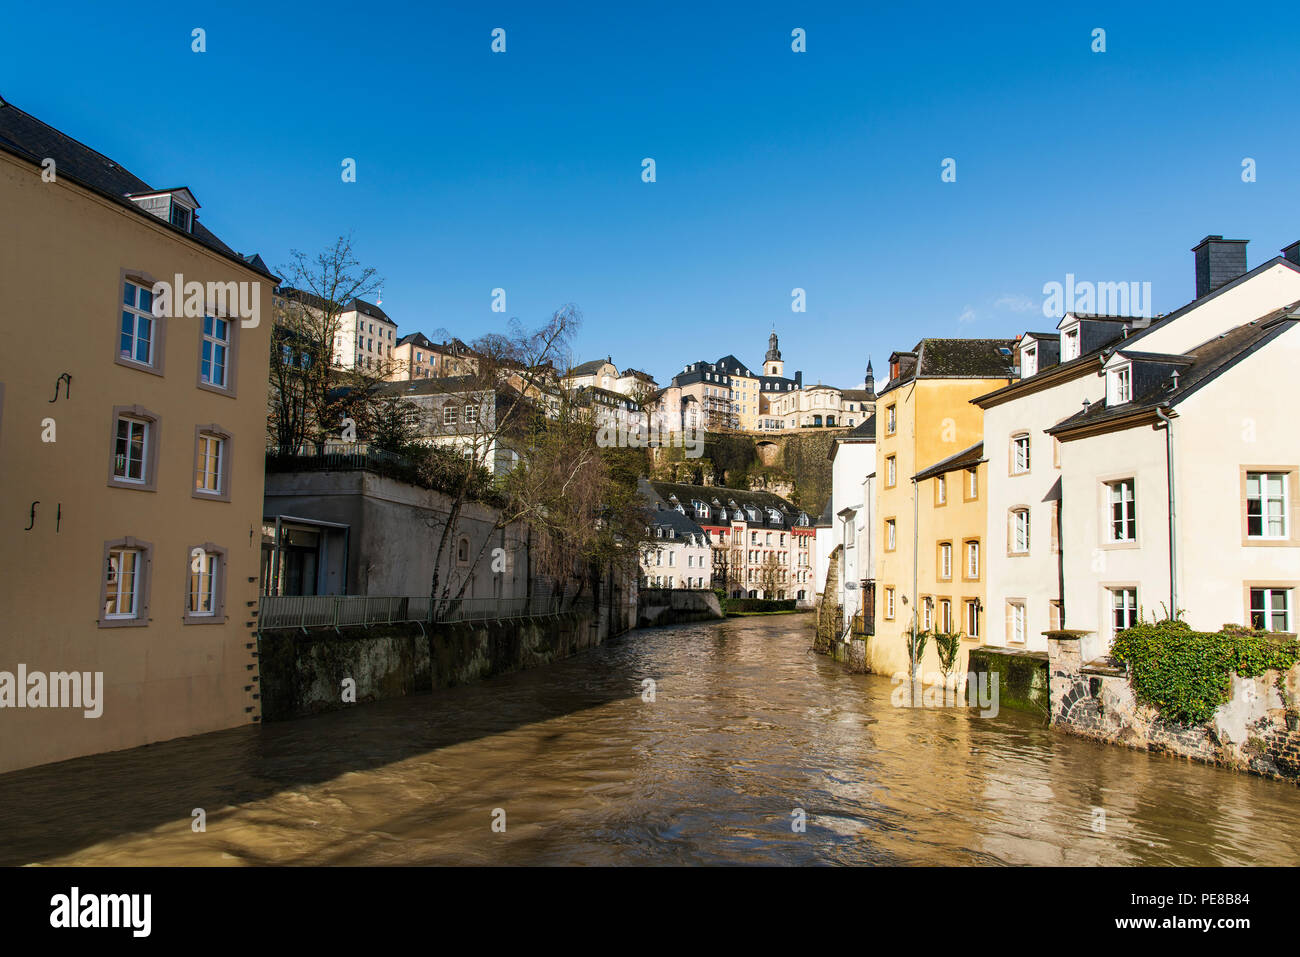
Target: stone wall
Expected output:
[673,606]
[1022,676]
[830,613]
[1250,732]
[303,674]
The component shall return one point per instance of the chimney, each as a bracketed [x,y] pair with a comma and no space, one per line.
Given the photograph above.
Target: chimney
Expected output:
[1292,252]
[1218,262]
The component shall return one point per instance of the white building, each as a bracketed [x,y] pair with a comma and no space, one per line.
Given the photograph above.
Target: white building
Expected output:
[678,553]
[853,469]
[1080,514]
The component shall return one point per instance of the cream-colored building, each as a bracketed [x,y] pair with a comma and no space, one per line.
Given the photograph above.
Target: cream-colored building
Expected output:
[132,455]
[416,357]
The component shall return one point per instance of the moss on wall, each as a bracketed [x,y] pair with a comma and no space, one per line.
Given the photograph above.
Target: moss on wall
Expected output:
[1022,677]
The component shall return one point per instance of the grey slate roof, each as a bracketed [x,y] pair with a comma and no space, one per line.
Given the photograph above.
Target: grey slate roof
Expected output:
[964,459]
[955,359]
[726,496]
[1207,362]
[26,137]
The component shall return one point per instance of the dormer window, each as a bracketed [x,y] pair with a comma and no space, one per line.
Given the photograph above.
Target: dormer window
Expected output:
[1070,343]
[176,206]
[1119,385]
[1028,361]
[180,216]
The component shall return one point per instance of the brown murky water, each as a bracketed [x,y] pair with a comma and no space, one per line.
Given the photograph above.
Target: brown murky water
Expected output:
[747,725]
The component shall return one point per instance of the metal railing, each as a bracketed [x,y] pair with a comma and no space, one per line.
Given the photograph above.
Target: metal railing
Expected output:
[343,611]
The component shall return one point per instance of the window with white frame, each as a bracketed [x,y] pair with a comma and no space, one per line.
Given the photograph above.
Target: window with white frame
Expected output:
[1019,531]
[945,560]
[972,619]
[214,364]
[891,471]
[1270,609]
[1016,622]
[1266,505]
[927,613]
[1124,610]
[131,450]
[941,489]
[891,420]
[1019,453]
[208,467]
[972,483]
[945,615]
[972,559]
[1123,511]
[1028,361]
[136,340]
[204,569]
[1119,385]
[889,603]
[124,576]
[471,414]
[1070,343]
[891,534]
[449,413]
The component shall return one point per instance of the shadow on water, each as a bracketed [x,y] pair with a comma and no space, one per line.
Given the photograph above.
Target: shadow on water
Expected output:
[55,809]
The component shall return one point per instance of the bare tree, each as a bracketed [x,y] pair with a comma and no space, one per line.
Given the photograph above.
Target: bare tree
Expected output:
[306,386]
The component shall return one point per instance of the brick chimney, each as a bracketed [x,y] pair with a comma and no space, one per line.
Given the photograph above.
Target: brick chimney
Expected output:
[1292,252]
[1218,262]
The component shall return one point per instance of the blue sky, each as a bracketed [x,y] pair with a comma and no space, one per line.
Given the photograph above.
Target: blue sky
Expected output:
[775,170]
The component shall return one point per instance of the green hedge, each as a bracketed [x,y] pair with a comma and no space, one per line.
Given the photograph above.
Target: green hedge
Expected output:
[1184,673]
[760,604]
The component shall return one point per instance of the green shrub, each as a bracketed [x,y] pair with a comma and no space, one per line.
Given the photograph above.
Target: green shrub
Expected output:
[760,604]
[1184,673]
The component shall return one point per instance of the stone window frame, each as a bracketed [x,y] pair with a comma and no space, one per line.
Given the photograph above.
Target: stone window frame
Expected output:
[140,278]
[971,603]
[1029,453]
[965,559]
[939,603]
[941,481]
[1293,501]
[1292,586]
[974,472]
[890,608]
[928,610]
[1009,625]
[938,560]
[152,446]
[1108,599]
[1104,482]
[228,443]
[218,616]
[144,579]
[1011,531]
[230,390]
[891,520]
[891,459]
[891,419]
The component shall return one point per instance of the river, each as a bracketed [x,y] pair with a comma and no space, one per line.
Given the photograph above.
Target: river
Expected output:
[747,729]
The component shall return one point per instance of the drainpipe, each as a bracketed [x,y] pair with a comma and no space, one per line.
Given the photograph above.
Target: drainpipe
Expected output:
[916,545]
[1173,510]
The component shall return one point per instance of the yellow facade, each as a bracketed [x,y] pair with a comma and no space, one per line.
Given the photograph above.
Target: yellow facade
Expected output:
[932,420]
[62,267]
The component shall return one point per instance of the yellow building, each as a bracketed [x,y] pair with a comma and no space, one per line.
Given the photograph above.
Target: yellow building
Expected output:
[131,457]
[930,477]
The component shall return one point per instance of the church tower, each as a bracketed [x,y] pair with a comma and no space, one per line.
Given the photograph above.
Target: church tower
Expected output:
[871,379]
[772,364]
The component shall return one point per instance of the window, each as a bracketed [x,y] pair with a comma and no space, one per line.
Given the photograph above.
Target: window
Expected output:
[891,534]
[972,484]
[891,471]
[180,216]
[216,348]
[1070,344]
[1019,454]
[972,619]
[449,415]
[972,560]
[471,414]
[945,560]
[945,615]
[1018,539]
[1119,385]
[1270,609]
[124,583]
[136,339]
[891,420]
[927,613]
[1123,511]
[1016,622]
[941,490]
[1028,361]
[1123,603]
[1266,505]
[211,457]
[130,450]
[462,551]
[206,572]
